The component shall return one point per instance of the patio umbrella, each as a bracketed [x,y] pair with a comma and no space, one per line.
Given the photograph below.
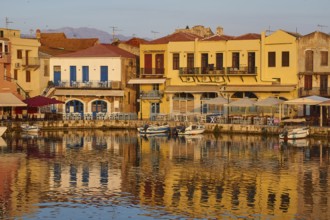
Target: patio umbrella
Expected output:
[244,102]
[309,100]
[270,102]
[39,101]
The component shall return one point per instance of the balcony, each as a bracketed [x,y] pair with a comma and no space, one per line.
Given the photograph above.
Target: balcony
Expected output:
[30,62]
[152,72]
[241,71]
[5,57]
[152,95]
[314,91]
[88,84]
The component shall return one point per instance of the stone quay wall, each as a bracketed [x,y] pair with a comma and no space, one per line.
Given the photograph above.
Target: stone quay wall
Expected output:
[134,124]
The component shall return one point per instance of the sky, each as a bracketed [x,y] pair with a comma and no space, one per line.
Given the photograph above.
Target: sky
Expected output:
[158,18]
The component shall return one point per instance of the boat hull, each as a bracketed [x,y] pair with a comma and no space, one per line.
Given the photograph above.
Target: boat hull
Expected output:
[30,128]
[191,130]
[297,133]
[154,129]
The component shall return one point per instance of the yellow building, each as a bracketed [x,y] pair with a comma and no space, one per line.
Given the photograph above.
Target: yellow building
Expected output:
[180,71]
[25,68]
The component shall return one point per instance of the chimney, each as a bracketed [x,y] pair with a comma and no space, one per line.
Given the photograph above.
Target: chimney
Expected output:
[219,31]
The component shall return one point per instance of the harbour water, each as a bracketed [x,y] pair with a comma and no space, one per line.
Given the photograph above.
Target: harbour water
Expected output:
[116,174]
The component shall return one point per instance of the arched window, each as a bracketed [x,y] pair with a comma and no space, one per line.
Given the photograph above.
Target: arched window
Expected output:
[183,102]
[205,108]
[240,95]
[74,106]
[99,106]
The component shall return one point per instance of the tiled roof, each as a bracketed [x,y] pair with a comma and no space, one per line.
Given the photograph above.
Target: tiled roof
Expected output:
[100,50]
[249,36]
[57,43]
[218,38]
[135,42]
[179,36]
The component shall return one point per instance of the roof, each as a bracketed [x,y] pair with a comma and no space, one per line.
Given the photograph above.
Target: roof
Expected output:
[100,50]
[57,43]
[248,36]
[175,37]
[135,42]
[218,38]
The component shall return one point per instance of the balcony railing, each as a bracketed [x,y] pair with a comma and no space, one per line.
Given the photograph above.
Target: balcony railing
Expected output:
[88,84]
[222,71]
[152,72]
[152,95]
[314,91]
[30,61]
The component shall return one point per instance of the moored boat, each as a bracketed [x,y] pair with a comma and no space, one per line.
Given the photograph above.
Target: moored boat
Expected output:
[154,129]
[2,130]
[296,133]
[30,128]
[192,129]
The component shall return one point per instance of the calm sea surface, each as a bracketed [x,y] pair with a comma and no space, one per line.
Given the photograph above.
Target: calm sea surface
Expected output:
[116,174]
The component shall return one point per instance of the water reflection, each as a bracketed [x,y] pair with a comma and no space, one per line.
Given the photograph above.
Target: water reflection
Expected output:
[98,174]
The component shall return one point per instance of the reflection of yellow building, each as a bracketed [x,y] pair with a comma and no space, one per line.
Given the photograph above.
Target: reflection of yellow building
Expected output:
[181,70]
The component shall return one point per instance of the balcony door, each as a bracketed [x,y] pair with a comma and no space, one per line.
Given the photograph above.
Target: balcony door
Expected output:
[324,85]
[73,75]
[251,62]
[159,63]
[147,63]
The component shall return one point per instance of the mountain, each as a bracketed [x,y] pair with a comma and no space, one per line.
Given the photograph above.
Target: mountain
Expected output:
[85,32]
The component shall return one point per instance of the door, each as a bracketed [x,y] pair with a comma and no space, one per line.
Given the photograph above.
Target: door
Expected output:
[155,109]
[104,73]
[147,64]
[235,61]
[159,63]
[99,106]
[324,85]
[85,73]
[73,75]
[205,63]
[57,78]
[251,62]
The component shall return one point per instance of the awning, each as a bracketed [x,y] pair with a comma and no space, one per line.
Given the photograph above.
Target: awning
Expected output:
[10,100]
[146,81]
[87,92]
[309,100]
[192,89]
[259,88]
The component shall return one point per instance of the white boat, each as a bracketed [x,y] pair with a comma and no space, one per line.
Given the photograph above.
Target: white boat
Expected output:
[154,129]
[296,133]
[30,128]
[192,129]
[2,130]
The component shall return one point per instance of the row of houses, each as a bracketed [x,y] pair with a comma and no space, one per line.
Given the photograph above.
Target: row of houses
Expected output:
[172,74]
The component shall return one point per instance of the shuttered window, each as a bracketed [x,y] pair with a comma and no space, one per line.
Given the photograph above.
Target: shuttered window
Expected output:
[324,58]
[285,58]
[176,61]
[271,59]
[309,59]
[308,82]
[219,61]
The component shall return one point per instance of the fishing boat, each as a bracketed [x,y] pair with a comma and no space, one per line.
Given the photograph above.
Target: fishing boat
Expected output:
[296,133]
[30,128]
[192,129]
[154,129]
[2,130]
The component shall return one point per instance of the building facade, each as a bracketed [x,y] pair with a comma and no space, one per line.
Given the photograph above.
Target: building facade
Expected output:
[94,80]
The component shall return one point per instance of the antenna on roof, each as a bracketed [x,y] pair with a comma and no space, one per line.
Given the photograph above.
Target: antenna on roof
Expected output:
[269,30]
[7,22]
[113,32]
[321,26]
[154,32]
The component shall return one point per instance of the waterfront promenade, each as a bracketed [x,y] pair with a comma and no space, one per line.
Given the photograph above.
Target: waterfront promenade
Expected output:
[13,126]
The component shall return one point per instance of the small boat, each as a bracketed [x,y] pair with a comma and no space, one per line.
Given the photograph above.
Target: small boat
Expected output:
[2,130]
[192,129]
[30,128]
[154,129]
[296,133]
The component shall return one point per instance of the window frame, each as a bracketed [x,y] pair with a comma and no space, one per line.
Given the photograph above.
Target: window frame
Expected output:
[271,59]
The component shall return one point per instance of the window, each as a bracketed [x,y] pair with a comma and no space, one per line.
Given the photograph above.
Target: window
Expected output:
[176,61]
[46,70]
[19,54]
[324,58]
[28,76]
[219,61]
[235,62]
[271,59]
[308,82]
[15,74]
[204,62]
[285,58]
